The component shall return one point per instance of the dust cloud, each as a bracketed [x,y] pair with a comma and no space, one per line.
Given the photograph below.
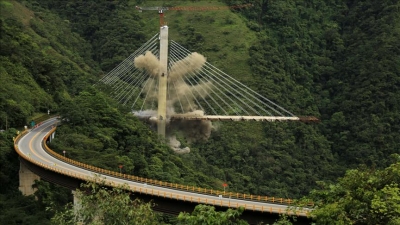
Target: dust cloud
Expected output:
[149,62]
[146,114]
[187,66]
[176,145]
[181,95]
[185,94]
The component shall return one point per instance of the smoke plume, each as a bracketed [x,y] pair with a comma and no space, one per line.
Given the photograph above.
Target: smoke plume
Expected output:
[187,66]
[176,145]
[193,130]
[181,96]
[149,62]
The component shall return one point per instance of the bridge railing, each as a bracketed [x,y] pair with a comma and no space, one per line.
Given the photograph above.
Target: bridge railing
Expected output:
[225,202]
[187,188]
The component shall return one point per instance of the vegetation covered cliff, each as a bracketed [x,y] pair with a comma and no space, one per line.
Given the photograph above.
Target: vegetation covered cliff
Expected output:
[337,60]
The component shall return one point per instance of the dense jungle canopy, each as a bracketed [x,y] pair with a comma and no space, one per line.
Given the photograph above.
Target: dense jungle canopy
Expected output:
[338,60]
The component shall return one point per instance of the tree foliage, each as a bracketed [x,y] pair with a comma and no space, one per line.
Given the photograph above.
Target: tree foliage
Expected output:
[15,208]
[97,131]
[334,59]
[97,204]
[204,214]
[362,196]
[112,31]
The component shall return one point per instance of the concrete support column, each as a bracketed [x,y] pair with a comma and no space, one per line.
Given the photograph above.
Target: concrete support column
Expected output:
[77,207]
[52,136]
[26,180]
[77,203]
[162,82]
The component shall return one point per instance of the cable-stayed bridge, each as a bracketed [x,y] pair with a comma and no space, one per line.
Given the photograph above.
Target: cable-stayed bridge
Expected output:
[163,81]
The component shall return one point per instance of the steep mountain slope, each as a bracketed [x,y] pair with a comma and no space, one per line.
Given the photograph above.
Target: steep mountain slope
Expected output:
[346,55]
[42,62]
[312,57]
[365,90]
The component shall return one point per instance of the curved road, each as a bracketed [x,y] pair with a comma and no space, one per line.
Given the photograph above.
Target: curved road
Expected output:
[30,145]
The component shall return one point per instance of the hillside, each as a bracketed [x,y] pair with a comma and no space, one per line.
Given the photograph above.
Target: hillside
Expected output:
[336,60]
[42,61]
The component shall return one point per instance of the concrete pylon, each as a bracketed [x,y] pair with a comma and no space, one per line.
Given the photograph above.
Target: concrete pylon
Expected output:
[162,82]
[26,180]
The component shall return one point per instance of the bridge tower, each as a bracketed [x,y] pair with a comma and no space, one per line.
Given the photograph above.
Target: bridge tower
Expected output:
[162,85]
[162,82]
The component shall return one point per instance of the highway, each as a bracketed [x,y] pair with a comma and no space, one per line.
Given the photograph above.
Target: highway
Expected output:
[31,147]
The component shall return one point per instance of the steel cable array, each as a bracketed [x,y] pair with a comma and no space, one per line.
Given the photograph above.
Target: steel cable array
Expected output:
[207,88]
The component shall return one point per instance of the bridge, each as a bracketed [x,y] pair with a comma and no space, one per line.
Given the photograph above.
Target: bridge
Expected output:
[164,82]
[36,156]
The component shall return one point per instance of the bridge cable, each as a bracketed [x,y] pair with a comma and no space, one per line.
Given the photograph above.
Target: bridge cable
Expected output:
[234,96]
[130,74]
[138,81]
[127,61]
[128,95]
[199,85]
[144,100]
[137,97]
[208,65]
[194,97]
[192,94]
[219,96]
[130,58]
[131,81]
[170,89]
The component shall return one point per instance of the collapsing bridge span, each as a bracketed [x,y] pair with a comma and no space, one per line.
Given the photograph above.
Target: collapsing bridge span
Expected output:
[164,81]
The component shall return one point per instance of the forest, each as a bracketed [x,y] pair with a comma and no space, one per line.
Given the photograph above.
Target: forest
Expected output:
[337,60]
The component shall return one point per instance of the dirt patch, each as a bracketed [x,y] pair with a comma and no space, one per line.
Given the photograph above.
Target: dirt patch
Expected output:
[18,11]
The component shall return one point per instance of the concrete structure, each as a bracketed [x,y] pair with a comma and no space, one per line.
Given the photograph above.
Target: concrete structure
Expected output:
[234,118]
[76,201]
[162,82]
[26,180]
[52,136]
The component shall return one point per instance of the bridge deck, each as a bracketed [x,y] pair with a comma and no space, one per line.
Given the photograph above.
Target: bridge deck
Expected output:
[32,148]
[234,118]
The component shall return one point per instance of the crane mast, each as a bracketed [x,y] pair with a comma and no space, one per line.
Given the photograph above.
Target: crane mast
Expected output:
[161,10]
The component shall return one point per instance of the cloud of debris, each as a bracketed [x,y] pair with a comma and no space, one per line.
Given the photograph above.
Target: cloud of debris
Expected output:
[182,96]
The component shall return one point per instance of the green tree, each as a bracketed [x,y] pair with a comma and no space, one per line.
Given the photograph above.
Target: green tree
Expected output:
[105,206]
[362,196]
[204,214]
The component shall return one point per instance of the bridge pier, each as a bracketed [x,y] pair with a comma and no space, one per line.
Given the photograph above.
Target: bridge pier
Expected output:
[52,136]
[26,180]
[162,82]
[76,207]
[76,201]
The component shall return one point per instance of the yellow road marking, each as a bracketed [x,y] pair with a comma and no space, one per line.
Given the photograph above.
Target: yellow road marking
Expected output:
[44,159]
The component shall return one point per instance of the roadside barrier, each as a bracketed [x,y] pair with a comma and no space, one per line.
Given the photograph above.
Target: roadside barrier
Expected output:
[223,195]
